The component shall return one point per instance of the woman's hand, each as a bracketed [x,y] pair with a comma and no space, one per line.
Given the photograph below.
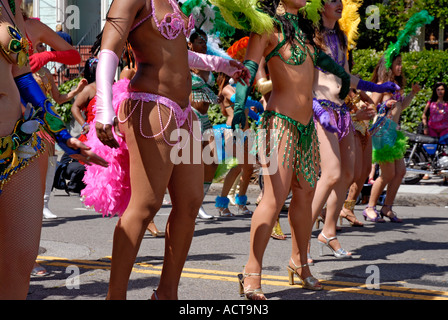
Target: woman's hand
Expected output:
[242,75]
[416,88]
[86,156]
[366,112]
[391,103]
[105,134]
[82,84]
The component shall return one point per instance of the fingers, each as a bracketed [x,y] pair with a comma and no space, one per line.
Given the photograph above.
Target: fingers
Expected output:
[89,158]
[105,135]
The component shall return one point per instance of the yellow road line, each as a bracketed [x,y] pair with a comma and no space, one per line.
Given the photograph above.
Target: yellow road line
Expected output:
[272,280]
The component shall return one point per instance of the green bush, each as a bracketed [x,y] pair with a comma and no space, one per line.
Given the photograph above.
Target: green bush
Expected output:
[424,67]
[64,110]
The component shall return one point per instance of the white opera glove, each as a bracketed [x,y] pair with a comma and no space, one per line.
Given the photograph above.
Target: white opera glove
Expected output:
[211,63]
[105,75]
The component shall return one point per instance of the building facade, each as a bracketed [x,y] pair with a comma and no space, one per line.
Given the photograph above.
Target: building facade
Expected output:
[82,19]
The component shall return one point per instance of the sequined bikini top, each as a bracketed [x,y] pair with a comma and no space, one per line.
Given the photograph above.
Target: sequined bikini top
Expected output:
[172,24]
[18,45]
[299,51]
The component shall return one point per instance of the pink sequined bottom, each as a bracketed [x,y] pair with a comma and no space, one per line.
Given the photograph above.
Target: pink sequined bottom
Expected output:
[108,190]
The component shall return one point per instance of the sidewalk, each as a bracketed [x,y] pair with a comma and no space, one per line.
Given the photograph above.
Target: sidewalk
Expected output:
[425,193]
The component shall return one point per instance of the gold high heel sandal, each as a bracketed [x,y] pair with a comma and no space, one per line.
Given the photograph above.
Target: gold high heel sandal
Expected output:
[349,205]
[152,228]
[248,293]
[277,232]
[309,283]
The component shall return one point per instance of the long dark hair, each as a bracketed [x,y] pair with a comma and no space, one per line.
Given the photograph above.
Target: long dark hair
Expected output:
[90,69]
[383,74]
[270,7]
[434,96]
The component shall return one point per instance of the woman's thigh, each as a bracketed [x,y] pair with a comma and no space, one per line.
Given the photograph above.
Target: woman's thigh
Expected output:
[150,158]
[330,156]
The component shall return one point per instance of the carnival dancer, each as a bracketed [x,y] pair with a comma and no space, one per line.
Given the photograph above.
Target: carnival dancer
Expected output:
[242,172]
[145,115]
[46,81]
[24,143]
[389,143]
[362,110]
[337,148]
[263,84]
[288,47]
[38,33]
[202,95]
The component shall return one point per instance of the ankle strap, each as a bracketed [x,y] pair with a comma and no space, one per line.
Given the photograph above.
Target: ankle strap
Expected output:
[298,267]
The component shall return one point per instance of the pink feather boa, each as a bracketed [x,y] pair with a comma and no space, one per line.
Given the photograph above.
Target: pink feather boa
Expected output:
[108,190]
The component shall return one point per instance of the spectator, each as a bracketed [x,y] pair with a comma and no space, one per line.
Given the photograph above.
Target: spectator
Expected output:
[435,114]
[64,35]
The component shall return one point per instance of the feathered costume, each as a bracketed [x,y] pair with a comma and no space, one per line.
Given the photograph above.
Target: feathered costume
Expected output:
[390,144]
[108,190]
[414,23]
[350,20]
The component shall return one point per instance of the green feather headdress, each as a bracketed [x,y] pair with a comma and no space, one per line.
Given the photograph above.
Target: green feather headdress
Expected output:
[312,11]
[416,21]
[207,17]
[243,15]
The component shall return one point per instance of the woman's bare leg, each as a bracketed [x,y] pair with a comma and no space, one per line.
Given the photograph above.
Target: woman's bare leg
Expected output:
[365,168]
[186,194]
[330,169]
[387,173]
[337,196]
[300,219]
[393,186]
[150,173]
[276,189]
[21,204]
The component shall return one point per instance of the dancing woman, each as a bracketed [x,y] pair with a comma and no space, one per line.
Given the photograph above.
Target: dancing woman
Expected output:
[202,96]
[24,144]
[291,56]
[242,172]
[389,144]
[154,105]
[336,148]
[362,110]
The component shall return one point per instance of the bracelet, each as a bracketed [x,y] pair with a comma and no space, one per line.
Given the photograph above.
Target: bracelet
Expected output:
[85,124]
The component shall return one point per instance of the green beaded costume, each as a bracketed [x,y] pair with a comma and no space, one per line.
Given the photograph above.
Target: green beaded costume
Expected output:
[301,146]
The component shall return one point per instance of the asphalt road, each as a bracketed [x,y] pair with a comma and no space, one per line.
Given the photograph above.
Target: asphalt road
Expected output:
[407,261]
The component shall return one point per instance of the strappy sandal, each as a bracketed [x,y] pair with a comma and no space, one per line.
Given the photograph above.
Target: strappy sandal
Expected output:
[242,209]
[394,217]
[277,232]
[368,218]
[321,219]
[309,283]
[152,228]
[347,213]
[225,212]
[247,292]
[340,253]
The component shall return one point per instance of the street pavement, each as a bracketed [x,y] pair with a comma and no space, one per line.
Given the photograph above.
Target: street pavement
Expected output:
[407,261]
